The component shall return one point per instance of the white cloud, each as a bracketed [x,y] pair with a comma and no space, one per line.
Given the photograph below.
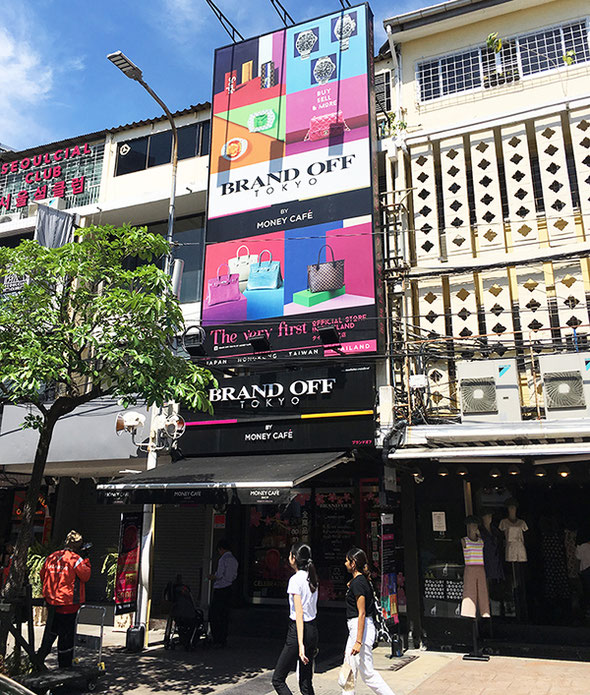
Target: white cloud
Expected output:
[25,82]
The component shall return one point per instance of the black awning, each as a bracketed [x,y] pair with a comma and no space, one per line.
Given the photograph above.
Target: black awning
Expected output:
[266,478]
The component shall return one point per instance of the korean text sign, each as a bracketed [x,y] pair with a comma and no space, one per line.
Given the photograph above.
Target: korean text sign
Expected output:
[290,243]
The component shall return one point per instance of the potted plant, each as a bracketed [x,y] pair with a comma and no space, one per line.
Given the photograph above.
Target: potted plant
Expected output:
[109,569]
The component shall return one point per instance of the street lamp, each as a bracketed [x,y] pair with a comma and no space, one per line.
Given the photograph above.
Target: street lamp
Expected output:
[130,70]
[133,72]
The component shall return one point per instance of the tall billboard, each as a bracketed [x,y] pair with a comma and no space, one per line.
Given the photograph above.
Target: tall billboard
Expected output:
[290,243]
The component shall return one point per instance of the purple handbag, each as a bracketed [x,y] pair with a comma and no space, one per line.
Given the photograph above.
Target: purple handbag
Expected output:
[223,288]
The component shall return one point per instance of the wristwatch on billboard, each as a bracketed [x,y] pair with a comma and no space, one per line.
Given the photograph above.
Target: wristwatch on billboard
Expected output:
[305,42]
[343,30]
[323,69]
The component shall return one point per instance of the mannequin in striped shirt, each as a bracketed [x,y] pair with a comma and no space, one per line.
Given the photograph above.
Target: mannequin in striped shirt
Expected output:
[475,588]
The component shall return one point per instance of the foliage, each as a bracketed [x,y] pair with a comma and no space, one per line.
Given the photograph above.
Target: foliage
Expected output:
[38,553]
[494,43]
[391,126]
[109,569]
[86,325]
[17,663]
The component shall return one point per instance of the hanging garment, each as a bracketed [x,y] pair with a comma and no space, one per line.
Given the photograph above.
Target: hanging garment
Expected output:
[492,553]
[514,532]
[475,592]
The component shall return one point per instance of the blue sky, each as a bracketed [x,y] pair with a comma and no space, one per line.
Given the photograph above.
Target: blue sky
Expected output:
[55,81]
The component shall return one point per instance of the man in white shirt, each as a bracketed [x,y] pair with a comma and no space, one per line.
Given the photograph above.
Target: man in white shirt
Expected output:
[221,600]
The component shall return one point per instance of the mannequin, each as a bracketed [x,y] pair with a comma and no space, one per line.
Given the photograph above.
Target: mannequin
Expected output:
[492,548]
[475,590]
[514,530]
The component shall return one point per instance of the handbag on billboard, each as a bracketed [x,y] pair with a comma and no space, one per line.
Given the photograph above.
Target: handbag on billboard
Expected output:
[265,275]
[322,277]
[223,288]
[241,265]
[328,125]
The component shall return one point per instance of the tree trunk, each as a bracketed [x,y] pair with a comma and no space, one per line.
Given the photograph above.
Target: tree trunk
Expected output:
[18,569]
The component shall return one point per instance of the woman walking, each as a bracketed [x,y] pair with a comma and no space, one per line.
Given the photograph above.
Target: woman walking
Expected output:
[302,635]
[360,616]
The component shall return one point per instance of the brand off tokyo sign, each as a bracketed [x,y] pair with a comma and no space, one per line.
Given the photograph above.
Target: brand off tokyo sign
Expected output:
[290,243]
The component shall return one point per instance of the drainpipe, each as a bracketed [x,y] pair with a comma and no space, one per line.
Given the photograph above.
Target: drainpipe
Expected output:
[397,76]
[395,434]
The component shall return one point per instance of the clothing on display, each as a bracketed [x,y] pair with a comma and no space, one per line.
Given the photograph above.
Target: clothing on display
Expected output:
[492,553]
[514,533]
[473,551]
[475,592]
[556,579]
[583,555]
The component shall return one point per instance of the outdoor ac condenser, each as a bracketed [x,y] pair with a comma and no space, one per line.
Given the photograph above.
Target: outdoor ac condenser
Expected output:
[488,391]
[566,385]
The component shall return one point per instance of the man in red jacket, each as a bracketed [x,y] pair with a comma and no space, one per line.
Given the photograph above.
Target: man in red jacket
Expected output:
[63,576]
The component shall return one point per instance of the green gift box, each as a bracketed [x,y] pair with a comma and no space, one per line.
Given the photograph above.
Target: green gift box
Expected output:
[307,298]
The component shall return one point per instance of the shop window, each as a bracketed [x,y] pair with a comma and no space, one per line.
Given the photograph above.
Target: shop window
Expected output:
[188,141]
[131,156]
[160,149]
[154,150]
[189,234]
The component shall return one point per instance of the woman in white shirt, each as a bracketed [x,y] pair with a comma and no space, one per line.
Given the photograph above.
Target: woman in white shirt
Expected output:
[302,635]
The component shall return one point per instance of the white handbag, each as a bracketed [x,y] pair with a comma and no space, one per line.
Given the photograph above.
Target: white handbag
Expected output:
[240,265]
[347,673]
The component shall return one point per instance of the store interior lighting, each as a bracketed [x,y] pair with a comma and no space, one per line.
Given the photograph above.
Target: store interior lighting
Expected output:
[416,472]
[563,471]
[541,472]
[443,471]
[513,470]
[495,473]
[462,470]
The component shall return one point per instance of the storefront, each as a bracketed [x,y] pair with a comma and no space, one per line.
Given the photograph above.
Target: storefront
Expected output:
[276,468]
[534,521]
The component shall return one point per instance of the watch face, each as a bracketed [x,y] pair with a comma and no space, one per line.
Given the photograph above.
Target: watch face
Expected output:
[305,43]
[324,69]
[343,30]
[260,121]
[234,149]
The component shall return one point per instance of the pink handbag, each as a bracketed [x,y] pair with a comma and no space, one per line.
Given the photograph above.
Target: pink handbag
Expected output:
[223,288]
[328,125]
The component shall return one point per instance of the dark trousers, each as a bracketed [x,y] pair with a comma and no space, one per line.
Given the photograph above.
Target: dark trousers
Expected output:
[219,614]
[290,657]
[60,626]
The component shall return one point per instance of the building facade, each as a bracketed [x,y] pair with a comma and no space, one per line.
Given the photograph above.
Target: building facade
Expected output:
[489,162]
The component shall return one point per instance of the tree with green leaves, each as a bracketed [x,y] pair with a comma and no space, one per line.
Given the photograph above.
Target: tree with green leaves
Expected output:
[93,318]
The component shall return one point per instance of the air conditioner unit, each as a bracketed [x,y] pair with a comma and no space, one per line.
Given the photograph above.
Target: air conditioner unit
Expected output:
[566,385]
[488,391]
[57,203]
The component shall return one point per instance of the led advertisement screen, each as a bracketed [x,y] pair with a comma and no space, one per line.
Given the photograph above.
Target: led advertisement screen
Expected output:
[290,247]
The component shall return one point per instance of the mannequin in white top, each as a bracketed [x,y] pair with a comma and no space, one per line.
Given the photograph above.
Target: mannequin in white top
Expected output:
[514,530]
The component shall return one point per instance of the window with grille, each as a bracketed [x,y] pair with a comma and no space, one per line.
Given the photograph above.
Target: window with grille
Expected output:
[520,56]
[153,150]
[383,91]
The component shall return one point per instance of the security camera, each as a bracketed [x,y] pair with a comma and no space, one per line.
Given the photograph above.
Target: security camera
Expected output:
[129,421]
[174,426]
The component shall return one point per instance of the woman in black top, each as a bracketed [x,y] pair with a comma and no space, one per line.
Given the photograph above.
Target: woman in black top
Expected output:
[360,617]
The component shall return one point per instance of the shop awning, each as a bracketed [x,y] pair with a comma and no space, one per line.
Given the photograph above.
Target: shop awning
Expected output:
[265,478]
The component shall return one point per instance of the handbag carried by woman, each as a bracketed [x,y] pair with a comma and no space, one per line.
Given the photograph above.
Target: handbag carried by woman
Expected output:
[361,612]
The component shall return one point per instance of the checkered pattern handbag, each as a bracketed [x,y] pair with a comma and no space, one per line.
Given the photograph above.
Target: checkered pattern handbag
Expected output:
[322,277]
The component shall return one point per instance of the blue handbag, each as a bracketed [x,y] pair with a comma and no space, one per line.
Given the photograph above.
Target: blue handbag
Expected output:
[265,275]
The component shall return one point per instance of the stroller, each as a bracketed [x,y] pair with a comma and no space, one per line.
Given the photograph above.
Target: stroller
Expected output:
[185,624]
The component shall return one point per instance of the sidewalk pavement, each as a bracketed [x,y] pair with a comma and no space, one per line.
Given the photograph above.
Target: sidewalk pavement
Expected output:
[245,668]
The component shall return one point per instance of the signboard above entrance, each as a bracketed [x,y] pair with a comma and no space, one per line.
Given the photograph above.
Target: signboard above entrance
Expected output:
[290,243]
[312,408]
